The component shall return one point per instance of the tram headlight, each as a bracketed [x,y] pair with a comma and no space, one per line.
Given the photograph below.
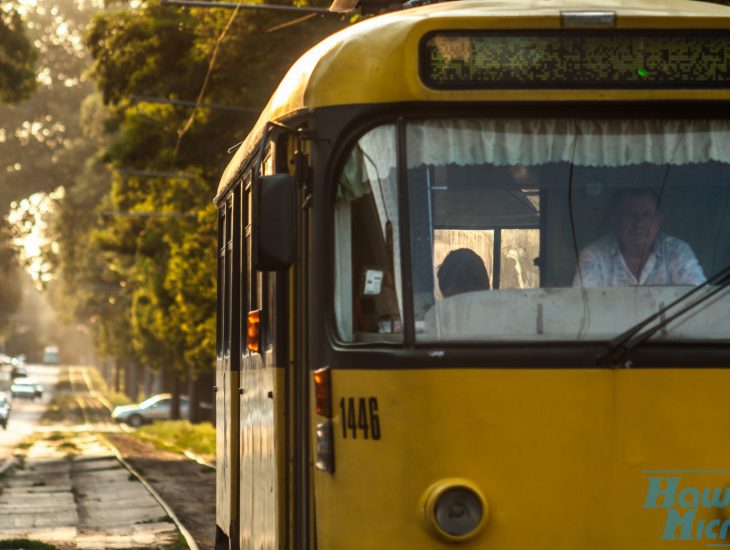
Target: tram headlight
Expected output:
[455,509]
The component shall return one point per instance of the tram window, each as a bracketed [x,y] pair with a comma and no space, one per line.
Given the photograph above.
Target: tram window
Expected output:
[252,278]
[228,278]
[517,251]
[368,283]
[527,198]
[244,267]
[221,273]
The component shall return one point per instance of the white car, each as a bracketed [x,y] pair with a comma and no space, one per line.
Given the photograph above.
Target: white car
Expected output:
[157,407]
[27,388]
[4,409]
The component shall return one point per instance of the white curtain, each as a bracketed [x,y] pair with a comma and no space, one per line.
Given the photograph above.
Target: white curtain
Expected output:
[585,142]
[370,168]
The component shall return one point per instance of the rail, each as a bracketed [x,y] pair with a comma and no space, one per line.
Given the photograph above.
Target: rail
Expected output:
[76,373]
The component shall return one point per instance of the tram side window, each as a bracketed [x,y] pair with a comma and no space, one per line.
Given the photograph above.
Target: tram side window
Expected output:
[227,283]
[221,273]
[368,293]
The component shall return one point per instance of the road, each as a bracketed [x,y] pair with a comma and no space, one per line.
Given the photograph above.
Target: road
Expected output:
[26,413]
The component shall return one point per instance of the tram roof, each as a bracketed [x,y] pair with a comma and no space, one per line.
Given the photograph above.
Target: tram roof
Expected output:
[374,61]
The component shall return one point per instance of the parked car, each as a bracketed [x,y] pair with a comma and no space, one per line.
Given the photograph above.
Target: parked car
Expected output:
[157,407]
[4,410]
[19,371]
[27,388]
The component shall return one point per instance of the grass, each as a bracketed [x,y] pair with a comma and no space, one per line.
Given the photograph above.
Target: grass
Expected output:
[100,385]
[63,441]
[179,436]
[26,544]
[178,544]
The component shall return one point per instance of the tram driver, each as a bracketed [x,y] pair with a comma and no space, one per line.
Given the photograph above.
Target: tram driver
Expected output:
[636,252]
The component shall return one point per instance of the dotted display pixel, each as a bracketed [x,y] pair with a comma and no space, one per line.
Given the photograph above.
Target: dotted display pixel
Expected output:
[626,60]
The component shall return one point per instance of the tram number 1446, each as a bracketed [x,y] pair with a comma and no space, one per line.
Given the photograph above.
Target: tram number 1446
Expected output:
[360,414]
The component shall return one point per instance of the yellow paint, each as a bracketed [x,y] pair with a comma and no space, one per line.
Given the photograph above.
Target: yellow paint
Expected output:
[560,455]
[376,61]
[260,462]
[226,404]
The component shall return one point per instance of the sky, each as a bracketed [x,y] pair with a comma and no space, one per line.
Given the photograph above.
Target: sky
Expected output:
[30,218]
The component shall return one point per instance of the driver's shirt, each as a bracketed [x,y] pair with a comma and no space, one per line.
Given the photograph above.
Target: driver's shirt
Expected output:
[670,262]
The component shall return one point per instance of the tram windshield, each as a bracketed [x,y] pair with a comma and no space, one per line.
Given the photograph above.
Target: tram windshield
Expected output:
[532,229]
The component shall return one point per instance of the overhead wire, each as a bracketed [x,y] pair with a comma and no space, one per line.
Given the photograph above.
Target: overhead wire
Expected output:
[292,22]
[211,64]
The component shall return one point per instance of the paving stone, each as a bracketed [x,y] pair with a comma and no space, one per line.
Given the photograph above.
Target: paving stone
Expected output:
[47,534]
[88,501]
[151,535]
[30,520]
[103,519]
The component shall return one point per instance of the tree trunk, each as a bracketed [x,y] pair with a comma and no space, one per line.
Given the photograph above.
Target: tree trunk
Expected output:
[175,408]
[131,382]
[201,398]
[117,376]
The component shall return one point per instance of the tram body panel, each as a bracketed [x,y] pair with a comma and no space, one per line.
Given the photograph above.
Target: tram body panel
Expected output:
[227,477]
[260,461]
[564,457]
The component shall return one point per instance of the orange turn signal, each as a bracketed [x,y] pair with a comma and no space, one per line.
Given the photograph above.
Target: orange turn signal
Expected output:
[323,392]
[253,331]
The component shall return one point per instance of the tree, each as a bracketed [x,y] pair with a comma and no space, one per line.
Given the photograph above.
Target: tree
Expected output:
[17,58]
[17,82]
[150,238]
[10,275]
[40,137]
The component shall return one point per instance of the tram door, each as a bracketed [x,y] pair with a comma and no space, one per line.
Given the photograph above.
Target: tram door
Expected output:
[262,398]
[227,371]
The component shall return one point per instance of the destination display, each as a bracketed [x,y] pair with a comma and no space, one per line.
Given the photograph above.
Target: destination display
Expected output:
[648,59]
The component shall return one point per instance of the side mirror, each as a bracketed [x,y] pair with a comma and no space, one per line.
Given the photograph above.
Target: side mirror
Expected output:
[273,222]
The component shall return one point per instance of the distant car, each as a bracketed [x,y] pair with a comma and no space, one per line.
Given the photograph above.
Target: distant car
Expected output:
[27,388]
[19,371]
[50,355]
[157,407]
[4,410]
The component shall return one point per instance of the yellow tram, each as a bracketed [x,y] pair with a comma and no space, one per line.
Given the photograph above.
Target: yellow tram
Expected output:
[472,270]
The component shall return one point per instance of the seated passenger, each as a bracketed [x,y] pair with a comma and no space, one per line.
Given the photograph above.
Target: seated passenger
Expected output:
[636,252]
[462,271]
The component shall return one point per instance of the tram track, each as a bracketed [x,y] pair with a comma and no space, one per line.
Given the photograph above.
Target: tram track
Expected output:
[86,399]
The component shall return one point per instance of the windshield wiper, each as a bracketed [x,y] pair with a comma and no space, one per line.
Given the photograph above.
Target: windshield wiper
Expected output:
[620,346]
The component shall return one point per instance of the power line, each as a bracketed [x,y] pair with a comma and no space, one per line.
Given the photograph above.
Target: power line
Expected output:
[133,214]
[211,63]
[232,6]
[188,103]
[149,174]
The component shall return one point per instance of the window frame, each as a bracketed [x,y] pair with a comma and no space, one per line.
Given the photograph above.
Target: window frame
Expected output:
[513,354]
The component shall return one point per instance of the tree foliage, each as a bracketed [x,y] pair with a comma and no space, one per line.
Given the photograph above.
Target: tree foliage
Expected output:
[40,138]
[17,58]
[150,238]
[17,82]
[11,289]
